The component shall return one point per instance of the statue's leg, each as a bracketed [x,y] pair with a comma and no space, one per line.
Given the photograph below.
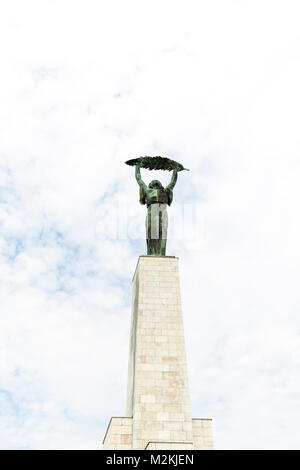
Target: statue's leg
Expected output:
[148,230]
[163,228]
[154,240]
[160,245]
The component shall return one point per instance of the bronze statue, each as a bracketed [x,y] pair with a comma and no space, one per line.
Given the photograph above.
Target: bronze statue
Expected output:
[156,197]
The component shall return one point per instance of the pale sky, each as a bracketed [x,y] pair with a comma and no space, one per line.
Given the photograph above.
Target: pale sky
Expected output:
[86,85]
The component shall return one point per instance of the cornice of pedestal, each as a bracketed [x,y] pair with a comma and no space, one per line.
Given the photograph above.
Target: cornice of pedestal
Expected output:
[151,257]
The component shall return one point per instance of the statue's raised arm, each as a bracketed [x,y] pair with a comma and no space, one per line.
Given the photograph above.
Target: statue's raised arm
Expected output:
[138,177]
[173,180]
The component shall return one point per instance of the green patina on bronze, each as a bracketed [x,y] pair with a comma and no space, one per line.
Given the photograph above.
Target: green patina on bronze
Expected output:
[156,163]
[156,197]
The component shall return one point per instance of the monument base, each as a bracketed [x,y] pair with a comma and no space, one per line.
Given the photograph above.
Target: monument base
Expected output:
[119,437]
[158,403]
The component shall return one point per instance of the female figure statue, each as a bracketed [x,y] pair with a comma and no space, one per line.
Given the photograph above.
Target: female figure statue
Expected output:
[156,197]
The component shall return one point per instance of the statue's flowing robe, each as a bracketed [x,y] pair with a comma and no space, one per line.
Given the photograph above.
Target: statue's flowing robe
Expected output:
[156,218]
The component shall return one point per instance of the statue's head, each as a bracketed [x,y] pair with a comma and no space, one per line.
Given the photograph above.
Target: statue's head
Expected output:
[155,184]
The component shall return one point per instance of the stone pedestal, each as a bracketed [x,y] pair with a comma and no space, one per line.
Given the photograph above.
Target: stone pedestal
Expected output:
[158,403]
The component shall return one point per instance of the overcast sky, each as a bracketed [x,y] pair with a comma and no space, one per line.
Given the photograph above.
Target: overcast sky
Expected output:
[86,85]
